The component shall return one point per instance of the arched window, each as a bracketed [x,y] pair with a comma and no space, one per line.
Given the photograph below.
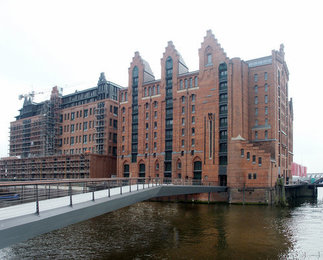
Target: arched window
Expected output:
[197,172]
[126,170]
[142,169]
[195,82]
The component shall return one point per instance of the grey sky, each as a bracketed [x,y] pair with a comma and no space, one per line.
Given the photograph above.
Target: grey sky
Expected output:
[68,43]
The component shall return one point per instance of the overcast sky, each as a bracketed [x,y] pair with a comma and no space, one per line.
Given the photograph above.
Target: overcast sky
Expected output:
[68,43]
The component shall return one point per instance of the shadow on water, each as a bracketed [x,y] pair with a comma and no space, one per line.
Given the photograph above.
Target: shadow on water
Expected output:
[153,230]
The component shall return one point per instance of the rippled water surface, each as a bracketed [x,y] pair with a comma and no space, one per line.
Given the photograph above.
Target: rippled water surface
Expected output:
[153,230]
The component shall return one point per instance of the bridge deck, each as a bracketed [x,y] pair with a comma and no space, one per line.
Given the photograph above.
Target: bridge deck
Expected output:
[19,223]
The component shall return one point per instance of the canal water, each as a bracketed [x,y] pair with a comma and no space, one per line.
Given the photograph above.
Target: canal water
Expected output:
[152,230]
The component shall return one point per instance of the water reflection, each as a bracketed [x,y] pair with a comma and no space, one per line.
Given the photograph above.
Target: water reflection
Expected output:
[184,231]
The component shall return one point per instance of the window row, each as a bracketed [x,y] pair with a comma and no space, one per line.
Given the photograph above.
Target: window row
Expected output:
[266,122]
[256,111]
[80,150]
[151,91]
[124,96]
[255,77]
[265,135]
[265,99]
[188,83]
[253,157]
[192,142]
[193,98]
[256,88]
[79,139]
[78,114]
[78,127]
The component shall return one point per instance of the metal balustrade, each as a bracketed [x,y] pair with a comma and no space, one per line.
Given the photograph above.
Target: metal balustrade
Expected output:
[19,192]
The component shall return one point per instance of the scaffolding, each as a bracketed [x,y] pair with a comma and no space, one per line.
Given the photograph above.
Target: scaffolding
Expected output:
[36,130]
[49,167]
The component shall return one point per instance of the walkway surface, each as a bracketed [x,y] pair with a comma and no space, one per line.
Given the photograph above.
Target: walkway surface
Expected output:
[20,222]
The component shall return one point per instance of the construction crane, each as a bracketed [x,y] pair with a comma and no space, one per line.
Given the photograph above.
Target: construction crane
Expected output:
[30,95]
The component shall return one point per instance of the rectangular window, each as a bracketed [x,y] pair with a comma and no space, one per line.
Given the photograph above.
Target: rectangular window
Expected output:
[249,176]
[193,108]
[155,114]
[84,139]
[191,82]
[155,145]
[255,176]
[146,136]
[185,83]
[242,152]
[115,124]
[254,159]
[85,126]
[72,128]
[256,89]
[72,115]
[193,142]
[256,77]
[266,87]
[266,134]
[72,140]
[256,135]
[256,112]
[183,110]
[115,111]
[155,125]
[183,131]
[266,110]
[259,162]
[147,116]
[248,156]
[193,119]
[183,143]
[181,84]
[256,122]
[209,59]
[266,121]
[266,99]
[193,131]
[183,121]
[85,114]
[155,135]
[157,89]
[195,82]
[266,76]
[77,114]
[256,100]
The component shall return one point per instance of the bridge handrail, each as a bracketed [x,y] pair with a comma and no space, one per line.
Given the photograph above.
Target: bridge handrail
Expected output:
[17,192]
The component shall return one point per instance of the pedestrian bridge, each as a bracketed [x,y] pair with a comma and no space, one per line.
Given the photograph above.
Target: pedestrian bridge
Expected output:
[40,206]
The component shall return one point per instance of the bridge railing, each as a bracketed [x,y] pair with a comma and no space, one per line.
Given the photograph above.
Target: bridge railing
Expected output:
[18,192]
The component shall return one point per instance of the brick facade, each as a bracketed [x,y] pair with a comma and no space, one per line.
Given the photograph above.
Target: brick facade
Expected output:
[227,110]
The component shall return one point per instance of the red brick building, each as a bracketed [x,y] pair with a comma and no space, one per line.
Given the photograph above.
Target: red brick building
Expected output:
[231,121]
[80,127]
